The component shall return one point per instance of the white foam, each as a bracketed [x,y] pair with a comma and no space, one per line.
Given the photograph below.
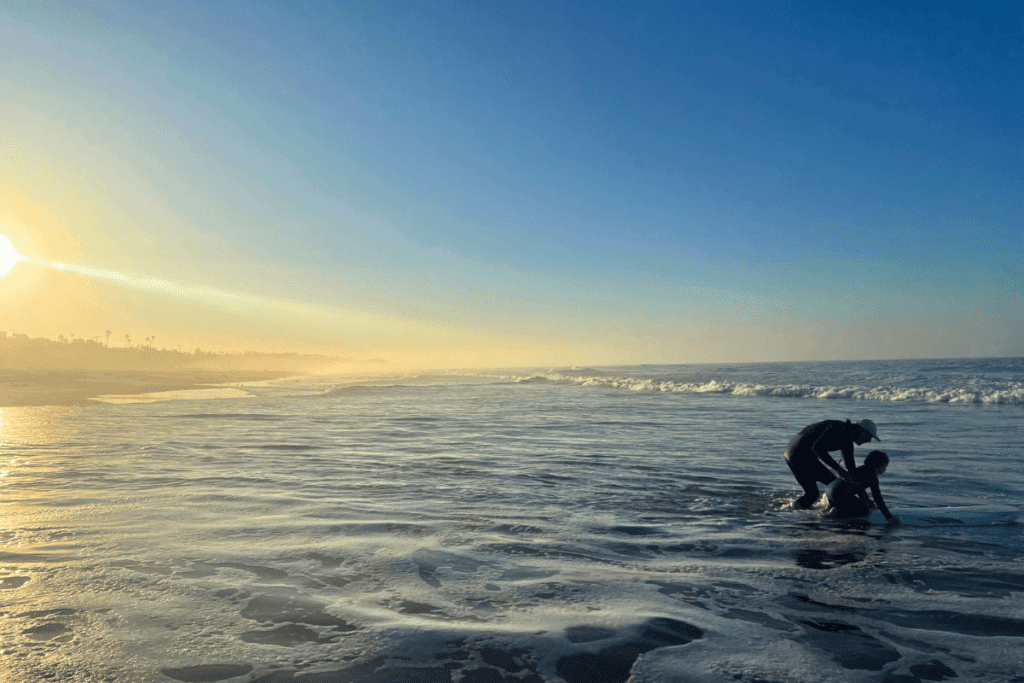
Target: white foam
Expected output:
[177,395]
[1011,394]
[738,654]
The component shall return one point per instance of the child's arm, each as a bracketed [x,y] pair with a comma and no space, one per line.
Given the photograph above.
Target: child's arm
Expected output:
[876,493]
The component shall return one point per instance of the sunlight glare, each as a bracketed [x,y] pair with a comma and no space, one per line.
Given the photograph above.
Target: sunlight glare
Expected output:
[9,256]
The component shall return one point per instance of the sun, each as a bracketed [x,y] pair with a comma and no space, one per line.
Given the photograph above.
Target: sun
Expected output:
[9,256]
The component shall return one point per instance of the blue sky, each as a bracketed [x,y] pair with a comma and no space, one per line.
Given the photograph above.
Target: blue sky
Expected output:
[638,182]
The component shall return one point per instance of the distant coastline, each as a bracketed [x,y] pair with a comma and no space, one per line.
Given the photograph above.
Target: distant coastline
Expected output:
[19,388]
[69,371]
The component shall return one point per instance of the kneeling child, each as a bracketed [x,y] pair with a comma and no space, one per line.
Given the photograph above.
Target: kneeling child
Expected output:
[847,496]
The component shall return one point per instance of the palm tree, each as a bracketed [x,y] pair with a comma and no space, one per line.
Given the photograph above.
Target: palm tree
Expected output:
[108,338]
[127,340]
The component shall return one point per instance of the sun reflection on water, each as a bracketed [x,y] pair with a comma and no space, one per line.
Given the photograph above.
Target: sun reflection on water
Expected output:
[6,468]
[28,427]
[28,436]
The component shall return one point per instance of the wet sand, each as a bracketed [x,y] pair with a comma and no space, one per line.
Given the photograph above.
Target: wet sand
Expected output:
[41,388]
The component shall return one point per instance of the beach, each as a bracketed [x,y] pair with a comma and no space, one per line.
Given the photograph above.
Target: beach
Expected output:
[561,525]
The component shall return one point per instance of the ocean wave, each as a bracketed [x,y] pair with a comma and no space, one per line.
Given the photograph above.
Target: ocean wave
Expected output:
[532,379]
[1008,394]
[353,390]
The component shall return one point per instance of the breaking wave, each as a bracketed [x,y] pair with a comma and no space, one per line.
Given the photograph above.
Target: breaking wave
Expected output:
[1010,393]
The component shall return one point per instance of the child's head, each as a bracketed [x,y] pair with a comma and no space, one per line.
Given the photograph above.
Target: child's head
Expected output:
[877,460]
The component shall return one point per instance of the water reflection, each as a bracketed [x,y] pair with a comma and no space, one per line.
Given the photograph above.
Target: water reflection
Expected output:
[811,558]
[31,441]
[32,426]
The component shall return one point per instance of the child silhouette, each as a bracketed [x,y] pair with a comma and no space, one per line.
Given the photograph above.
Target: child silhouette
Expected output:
[847,497]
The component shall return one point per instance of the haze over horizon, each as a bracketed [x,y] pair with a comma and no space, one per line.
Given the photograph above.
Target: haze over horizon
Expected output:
[473,184]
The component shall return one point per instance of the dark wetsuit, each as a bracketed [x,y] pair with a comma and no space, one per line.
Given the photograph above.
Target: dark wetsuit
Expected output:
[847,498]
[811,446]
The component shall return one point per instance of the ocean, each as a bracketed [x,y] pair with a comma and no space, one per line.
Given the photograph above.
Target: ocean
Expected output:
[585,525]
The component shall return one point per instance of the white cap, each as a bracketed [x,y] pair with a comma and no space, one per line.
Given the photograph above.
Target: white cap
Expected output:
[868,426]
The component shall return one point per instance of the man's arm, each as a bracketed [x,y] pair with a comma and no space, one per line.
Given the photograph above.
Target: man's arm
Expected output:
[831,462]
[828,460]
[826,442]
[847,450]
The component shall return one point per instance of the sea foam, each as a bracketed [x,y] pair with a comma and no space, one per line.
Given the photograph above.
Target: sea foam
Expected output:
[1007,394]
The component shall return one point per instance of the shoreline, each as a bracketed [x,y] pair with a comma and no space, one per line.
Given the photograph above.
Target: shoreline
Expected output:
[22,388]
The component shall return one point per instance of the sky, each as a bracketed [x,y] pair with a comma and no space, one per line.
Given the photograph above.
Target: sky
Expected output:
[463,184]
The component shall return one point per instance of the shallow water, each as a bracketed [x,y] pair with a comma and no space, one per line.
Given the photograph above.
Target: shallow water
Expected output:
[577,525]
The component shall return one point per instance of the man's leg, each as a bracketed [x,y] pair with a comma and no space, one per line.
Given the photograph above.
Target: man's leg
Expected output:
[806,475]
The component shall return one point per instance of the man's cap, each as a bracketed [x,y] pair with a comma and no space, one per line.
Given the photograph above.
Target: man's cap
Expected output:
[868,426]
